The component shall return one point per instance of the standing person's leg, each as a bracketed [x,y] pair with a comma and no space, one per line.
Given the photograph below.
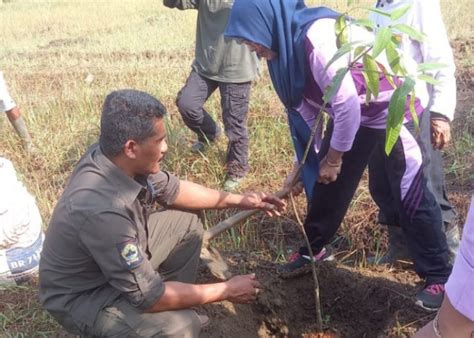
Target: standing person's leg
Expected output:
[388,211]
[235,105]
[174,240]
[419,214]
[331,201]
[190,102]
[434,173]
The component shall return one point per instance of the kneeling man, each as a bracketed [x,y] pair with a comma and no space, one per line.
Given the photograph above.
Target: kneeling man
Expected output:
[113,264]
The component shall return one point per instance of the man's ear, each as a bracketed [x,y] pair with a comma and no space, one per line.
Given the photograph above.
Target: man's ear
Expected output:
[130,149]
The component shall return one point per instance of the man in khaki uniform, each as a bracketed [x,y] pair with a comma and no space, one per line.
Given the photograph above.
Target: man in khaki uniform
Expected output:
[114,265]
[219,63]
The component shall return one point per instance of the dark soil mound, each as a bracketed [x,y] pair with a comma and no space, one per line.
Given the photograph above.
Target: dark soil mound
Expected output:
[373,303]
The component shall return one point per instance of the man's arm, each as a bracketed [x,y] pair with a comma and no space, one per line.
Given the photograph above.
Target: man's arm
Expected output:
[126,267]
[181,4]
[118,254]
[193,196]
[239,289]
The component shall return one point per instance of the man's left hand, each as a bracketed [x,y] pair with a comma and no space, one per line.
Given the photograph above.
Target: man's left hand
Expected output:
[271,204]
[440,133]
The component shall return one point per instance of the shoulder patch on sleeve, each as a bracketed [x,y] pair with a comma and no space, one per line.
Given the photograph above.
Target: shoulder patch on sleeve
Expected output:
[130,253]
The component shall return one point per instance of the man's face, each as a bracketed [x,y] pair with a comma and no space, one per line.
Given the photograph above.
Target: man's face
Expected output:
[151,151]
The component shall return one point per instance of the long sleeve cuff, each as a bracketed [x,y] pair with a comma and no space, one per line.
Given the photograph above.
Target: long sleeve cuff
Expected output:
[459,286]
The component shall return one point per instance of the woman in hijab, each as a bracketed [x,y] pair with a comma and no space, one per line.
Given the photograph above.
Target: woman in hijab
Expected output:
[298,43]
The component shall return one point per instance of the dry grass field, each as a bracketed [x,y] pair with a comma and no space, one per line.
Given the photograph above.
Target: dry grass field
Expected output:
[61,58]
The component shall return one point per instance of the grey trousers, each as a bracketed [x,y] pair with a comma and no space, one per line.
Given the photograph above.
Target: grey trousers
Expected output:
[234,105]
[434,172]
[175,239]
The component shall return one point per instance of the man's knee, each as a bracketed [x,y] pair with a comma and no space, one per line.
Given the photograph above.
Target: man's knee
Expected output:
[183,323]
[188,107]
[196,225]
[125,320]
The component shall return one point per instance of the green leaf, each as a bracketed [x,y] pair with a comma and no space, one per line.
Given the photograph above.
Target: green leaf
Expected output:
[378,11]
[382,39]
[411,32]
[346,48]
[429,79]
[341,31]
[369,24]
[387,76]
[397,40]
[349,2]
[332,89]
[413,114]
[425,66]
[368,93]
[372,71]
[393,58]
[396,112]
[398,13]
[358,51]
[368,96]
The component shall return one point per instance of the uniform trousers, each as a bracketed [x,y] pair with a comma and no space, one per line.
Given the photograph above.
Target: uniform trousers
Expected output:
[234,105]
[175,239]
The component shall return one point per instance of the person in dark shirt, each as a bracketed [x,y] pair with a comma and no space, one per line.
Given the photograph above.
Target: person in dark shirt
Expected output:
[115,265]
[223,64]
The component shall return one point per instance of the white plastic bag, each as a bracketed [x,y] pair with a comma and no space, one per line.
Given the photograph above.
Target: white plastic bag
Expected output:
[21,235]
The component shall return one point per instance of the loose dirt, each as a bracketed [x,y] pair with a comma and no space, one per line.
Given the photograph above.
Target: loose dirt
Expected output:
[355,303]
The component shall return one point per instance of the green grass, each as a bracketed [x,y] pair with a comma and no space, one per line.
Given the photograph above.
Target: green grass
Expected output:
[61,58]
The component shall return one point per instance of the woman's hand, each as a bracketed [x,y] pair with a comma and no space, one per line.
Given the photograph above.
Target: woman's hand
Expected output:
[330,166]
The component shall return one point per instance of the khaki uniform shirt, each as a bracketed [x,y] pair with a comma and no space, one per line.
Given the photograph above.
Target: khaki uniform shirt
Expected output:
[218,58]
[95,249]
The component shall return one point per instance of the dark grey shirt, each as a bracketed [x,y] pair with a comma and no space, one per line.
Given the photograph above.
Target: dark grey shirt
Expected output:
[216,57]
[95,249]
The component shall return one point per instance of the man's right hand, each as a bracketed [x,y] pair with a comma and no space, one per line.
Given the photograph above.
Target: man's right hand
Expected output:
[242,289]
[271,204]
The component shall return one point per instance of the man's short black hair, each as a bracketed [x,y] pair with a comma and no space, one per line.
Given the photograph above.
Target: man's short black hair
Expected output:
[127,114]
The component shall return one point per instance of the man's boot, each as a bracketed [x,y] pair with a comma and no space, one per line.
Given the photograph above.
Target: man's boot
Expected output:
[397,248]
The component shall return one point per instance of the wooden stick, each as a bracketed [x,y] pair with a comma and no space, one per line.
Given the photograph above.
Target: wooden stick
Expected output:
[234,220]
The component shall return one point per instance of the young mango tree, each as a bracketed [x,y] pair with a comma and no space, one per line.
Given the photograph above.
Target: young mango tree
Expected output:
[363,58]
